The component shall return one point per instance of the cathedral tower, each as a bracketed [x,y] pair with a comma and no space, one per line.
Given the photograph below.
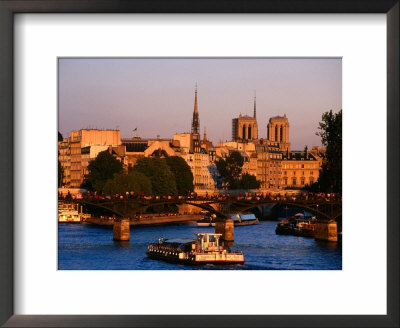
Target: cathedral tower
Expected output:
[245,128]
[278,131]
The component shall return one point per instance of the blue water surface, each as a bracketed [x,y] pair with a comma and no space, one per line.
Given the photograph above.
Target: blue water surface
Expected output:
[89,247]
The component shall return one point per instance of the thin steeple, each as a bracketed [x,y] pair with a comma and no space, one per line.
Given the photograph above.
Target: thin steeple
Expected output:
[205,134]
[195,100]
[195,120]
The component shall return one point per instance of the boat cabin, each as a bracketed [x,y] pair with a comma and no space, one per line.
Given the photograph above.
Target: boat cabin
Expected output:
[208,242]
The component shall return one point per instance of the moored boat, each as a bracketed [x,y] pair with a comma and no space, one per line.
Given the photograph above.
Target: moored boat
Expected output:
[297,225]
[284,227]
[67,213]
[207,248]
[207,221]
[238,220]
[69,216]
[244,219]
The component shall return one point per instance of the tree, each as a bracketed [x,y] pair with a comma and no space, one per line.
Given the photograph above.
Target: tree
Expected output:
[60,174]
[161,177]
[122,183]
[248,181]
[60,168]
[330,131]
[102,168]
[230,169]
[182,173]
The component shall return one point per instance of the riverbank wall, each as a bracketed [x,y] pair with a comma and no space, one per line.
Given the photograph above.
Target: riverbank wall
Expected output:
[148,221]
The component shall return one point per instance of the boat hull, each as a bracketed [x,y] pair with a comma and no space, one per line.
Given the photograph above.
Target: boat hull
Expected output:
[236,223]
[245,222]
[192,261]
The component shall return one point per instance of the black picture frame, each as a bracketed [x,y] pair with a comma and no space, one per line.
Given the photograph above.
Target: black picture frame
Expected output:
[10,7]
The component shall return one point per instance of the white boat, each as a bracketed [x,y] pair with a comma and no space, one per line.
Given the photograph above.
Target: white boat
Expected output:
[68,214]
[207,248]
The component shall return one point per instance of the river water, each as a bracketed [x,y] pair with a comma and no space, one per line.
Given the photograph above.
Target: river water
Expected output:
[89,247]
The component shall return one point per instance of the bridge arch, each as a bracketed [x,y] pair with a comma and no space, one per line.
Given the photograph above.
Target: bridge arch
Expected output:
[146,205]
[309,207]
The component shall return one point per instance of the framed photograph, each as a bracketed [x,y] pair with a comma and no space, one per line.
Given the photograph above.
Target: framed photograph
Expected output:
[137,86]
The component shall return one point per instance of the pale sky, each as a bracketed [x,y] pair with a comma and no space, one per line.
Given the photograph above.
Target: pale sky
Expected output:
[156,96]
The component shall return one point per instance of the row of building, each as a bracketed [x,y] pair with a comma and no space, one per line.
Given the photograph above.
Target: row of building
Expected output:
[270,160]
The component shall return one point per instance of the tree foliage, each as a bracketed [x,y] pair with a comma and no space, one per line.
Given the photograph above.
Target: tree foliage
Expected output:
[182,173]
[60,174]
[248,181]
[230,168]
[101,169]
[122,183]
[159,173]
[230,171]
[330,131]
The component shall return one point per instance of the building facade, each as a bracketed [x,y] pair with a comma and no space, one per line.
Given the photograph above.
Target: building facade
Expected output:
[76,151]
[299,169]
[269,158]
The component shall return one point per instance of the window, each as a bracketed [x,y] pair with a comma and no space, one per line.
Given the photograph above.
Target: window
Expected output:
[302,173]
[294,181]
[311,172]
[294,172]
[302,181]
[284,172]
[302,166]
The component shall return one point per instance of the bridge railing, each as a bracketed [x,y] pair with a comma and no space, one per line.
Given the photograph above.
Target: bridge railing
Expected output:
[303,197]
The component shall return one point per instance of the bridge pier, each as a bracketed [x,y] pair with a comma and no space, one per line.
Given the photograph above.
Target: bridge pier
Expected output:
[326,230]
[226,228]
[121,229]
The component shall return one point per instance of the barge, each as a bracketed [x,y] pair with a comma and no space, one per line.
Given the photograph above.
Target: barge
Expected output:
[238,220]
[207,248]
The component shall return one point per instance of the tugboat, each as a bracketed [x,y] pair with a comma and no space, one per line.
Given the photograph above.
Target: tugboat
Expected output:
[205,249]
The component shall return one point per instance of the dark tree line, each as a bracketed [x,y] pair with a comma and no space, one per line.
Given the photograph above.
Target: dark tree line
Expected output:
[151,175]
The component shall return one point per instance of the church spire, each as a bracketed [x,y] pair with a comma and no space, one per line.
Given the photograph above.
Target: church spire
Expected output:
[205,134]
[254,115]
[195,120]
[195,100]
